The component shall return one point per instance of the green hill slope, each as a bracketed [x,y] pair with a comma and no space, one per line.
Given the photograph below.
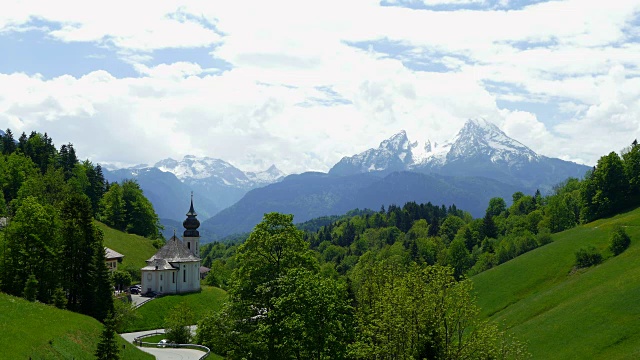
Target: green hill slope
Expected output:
[37,331]
[136,249]
[152,314]
[563,314]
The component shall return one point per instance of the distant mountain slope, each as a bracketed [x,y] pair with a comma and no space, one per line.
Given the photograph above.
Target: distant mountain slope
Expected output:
[479,149]
[307,195]
[564,314]
[216,184]
[169,196]
[311,195]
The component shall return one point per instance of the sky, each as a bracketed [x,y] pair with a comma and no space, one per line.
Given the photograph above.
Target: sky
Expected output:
[300,83]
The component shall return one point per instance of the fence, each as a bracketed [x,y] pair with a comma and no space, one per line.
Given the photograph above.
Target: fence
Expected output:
[138,341]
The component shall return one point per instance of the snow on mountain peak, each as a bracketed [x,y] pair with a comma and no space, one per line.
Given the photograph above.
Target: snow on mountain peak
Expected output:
[482,137]
[478,138]
[426,152]
[271,175]
[193,168]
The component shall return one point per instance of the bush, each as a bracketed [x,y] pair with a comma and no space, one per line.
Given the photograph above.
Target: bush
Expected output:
[619,241]
[177,324]
[588,257]
[543,237]
[121,279]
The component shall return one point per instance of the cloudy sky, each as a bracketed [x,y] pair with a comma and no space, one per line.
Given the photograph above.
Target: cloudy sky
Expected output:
[301,84]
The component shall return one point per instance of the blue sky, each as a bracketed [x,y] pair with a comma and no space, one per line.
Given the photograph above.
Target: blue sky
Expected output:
[301,84]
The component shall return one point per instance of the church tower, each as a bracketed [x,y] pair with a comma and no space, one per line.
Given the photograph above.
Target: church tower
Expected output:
[191,236]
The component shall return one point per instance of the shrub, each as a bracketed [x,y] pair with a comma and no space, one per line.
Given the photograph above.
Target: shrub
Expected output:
[543,237]
[588,257]
[177,324]
[619,241]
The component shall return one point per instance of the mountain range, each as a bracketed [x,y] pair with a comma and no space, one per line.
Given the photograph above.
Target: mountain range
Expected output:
[479,163]
[480,148]
[216,184]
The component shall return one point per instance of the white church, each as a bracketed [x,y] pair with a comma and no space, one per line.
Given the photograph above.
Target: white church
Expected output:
[175,268]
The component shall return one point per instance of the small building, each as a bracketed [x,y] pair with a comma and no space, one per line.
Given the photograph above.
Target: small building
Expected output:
[112,258]
[175,268]
[204,271]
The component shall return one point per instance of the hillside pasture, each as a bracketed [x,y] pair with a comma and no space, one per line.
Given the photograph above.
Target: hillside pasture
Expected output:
[568,313]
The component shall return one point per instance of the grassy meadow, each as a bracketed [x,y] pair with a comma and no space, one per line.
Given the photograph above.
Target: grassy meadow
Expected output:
[151,315]
[37,331]
[564,313]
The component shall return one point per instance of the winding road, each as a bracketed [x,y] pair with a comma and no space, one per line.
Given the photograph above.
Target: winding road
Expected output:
[164,353]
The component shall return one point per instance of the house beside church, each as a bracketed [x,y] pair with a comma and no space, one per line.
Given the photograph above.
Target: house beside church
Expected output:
[175,268]
[112,258]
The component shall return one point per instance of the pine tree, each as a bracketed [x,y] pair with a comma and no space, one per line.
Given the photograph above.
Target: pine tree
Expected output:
[108,346]
[31,288]
[8,143]
[86,277]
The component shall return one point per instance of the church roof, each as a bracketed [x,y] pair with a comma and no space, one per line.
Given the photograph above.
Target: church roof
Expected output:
[158,264]
[174,251]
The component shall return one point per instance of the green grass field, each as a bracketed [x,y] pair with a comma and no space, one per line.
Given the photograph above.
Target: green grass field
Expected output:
[136,249]
[152,314]
[592,313]
[38,331]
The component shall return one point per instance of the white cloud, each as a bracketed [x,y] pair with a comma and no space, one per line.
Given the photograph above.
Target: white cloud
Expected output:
[271,106]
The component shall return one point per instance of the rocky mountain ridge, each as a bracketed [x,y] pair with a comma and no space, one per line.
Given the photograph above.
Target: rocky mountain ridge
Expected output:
[480,148]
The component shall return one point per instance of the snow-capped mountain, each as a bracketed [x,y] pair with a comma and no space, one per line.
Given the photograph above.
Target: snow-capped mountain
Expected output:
[393,154]
[216,183]
[480,137]
[269,176]
[480,148]
[192,169]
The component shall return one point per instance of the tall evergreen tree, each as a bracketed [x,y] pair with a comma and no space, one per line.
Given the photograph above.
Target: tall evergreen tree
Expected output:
[8,143]
[108,346]
[83,260]
[67,160]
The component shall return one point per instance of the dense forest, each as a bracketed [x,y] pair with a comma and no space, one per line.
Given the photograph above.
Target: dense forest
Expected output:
[392,283]
[50,249]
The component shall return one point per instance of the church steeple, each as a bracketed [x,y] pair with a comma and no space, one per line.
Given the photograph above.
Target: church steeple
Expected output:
[191,224]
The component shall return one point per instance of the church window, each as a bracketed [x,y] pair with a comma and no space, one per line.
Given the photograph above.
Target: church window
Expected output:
[184,275]
[160,277]
[173,277]
[189,245]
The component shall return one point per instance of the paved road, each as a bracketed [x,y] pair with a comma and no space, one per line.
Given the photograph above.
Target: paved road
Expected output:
[165,353]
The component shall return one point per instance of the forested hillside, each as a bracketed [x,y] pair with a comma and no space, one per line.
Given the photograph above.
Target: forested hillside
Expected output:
[50,249]
[369,275]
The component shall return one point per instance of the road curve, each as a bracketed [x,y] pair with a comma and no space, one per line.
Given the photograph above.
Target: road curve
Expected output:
[164,353]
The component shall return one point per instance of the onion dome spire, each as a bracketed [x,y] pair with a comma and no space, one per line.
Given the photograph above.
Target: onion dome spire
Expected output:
[191,224]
